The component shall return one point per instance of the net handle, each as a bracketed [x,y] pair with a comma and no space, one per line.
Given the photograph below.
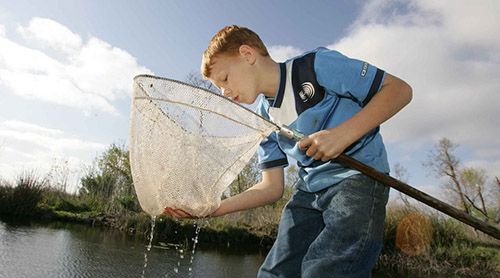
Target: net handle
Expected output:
[405,188]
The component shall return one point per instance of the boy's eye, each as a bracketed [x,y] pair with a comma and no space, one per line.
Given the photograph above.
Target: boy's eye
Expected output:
[225,79]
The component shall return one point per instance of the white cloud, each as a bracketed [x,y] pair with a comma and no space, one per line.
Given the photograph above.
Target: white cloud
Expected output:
[104,70]
[2,30]
[450,55]
[16,126]
[14,133]
[32,147]
[281,53]
[87,75]
[52,34]
[54,140]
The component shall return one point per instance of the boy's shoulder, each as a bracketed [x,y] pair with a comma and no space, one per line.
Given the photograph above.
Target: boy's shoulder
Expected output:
[321,50]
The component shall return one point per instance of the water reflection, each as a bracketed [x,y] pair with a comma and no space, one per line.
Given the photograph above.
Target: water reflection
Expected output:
[70,250]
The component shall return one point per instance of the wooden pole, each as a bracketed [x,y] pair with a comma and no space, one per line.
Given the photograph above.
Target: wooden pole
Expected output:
[419,195]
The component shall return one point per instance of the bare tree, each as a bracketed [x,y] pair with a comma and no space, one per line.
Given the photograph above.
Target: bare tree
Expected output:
[444,163]
[470,186]
[474,184]
[59,175]
[496,198]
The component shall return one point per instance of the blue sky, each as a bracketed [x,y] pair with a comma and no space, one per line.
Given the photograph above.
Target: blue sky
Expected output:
[66,69]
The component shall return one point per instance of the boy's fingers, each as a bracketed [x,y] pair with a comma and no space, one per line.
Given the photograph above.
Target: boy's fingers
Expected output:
[305,143]
[177,213]
[183,214]
[319,156]
[311,151]
[167,211]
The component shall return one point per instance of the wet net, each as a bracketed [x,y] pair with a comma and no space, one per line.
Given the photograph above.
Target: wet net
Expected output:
[188,144]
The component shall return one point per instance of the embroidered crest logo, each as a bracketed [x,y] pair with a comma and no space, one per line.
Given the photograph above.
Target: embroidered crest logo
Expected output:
[307,91]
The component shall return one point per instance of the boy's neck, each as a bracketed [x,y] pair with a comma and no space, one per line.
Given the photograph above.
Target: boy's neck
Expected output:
[269,77]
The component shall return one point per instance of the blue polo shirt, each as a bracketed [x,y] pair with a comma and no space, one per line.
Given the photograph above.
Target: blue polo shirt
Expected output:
[318,90]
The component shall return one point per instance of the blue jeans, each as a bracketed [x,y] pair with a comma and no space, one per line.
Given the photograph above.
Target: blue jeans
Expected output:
[335,232]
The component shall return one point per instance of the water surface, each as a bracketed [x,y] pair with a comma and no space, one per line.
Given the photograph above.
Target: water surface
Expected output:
[72,250]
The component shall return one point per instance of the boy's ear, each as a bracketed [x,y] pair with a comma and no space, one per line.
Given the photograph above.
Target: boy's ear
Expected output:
[248,53]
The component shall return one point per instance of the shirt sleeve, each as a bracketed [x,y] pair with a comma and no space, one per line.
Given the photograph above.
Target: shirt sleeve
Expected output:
[347,77]
[269,152]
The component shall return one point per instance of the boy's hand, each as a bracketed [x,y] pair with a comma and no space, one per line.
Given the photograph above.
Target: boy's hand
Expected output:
[325,144]
[177,213]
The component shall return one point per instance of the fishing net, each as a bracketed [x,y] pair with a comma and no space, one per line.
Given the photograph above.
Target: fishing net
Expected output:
[188,144]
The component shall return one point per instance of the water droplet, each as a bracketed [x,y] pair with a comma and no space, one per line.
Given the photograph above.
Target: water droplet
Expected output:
[148,247]
[176,270]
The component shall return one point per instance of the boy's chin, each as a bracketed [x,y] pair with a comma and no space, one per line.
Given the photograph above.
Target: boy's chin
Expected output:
[250,100]
[246,101]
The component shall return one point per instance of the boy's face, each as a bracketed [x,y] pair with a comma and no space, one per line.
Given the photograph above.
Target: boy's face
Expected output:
[235,76]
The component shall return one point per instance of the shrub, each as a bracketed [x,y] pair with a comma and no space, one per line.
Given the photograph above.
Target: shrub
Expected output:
[23,199]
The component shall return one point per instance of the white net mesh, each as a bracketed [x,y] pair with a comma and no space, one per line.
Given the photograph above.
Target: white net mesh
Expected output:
[188,144]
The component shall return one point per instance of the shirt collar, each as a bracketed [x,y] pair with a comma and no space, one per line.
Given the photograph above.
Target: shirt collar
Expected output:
[278,98]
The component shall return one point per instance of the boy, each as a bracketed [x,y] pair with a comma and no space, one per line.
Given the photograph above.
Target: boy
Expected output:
[333,224]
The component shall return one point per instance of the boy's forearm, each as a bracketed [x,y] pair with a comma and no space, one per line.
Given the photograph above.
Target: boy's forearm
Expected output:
[392,97]
[256,196]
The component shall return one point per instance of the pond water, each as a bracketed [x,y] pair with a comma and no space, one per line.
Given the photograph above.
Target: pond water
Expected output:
[72,250]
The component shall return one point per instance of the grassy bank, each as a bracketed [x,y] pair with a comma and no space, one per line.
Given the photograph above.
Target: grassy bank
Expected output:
[437,245]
